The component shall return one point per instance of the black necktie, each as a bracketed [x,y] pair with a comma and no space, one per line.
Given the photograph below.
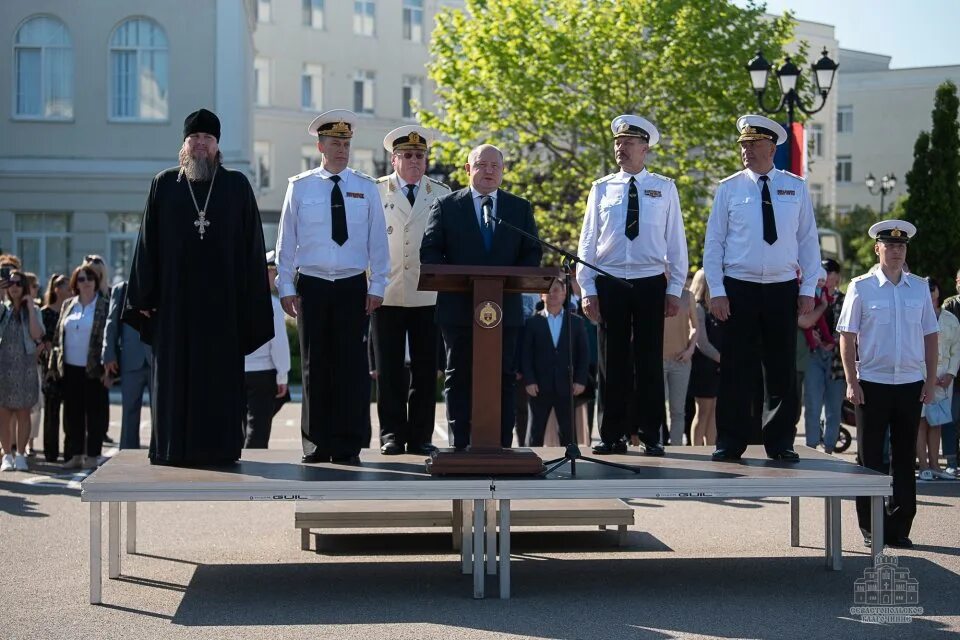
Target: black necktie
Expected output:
[769,222]
[411,197]
[632,229]
[338,213]
[486,227]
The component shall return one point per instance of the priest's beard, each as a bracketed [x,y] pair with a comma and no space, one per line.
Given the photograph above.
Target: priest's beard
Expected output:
[199,169]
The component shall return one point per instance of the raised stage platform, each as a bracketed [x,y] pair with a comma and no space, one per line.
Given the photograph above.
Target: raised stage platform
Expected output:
[484,502]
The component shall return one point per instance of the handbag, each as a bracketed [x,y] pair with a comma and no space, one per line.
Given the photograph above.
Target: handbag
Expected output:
[939,412]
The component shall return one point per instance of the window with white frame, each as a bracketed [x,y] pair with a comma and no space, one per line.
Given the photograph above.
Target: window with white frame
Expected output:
[413,20]
[412,95]
[43,242]
[363,92]
[845,119]
[313,13]
[311,87]
[264,10]
[261,151]
[362,160]
[261,81]
[364,17]
[844,168]
[816,195]
[310,157]
[122,230]
[43,70]
[139,70]
[815,133]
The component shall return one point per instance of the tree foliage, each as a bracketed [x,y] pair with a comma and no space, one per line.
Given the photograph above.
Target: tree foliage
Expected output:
[933,184]
[542,79]
[858,254]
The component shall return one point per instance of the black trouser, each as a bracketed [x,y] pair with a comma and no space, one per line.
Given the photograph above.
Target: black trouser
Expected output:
[631,315]
[540,407]
[336,391]
[761,330]
[85,412]
[896,405]
[457,383]
[406,405]
[51,424]
[261,387]
[521,412]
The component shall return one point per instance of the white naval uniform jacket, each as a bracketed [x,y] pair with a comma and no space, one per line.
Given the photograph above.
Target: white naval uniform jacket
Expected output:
[405,228]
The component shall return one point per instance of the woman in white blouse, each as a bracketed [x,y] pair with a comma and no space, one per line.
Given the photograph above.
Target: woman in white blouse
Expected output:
[77,360]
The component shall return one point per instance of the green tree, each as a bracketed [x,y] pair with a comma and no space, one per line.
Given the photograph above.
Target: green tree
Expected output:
[933,185]
[542,79]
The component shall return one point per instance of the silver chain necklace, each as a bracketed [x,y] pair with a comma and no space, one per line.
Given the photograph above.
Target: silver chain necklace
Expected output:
[202,223]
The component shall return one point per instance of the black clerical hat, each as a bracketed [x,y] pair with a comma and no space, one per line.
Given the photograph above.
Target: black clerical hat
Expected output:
[202,121]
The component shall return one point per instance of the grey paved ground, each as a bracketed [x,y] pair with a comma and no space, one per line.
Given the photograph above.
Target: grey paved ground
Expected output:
[692,569]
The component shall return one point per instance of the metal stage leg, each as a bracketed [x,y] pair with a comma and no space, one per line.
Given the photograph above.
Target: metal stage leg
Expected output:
[478,575]
[827,531]
[457,521]
[876,525]
[795,521]
[305,539]
[96,566]
[836,542]
[131,527]
[491,530]
[113,539]
[466,537]
[621,535]
[504,549]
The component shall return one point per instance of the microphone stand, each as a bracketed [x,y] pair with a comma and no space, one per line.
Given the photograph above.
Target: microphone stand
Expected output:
[568,262]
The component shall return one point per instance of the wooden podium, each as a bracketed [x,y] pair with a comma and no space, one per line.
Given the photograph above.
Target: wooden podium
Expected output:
[487,284]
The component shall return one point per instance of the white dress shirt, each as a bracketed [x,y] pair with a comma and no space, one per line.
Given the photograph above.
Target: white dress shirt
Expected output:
[734,245]
[77,327]
[890,322]
[304,243]
[660,246]
[477,198]
[274,354]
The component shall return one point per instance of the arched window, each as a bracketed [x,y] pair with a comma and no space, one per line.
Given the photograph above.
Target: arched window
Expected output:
[43,69]
[138,71]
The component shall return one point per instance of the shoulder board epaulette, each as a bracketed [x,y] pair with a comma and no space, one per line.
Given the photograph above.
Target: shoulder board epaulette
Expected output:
[434,181]
[793,175]
[383,179]
[916,277]
[301,176]
[363,175]
[604,178]
[661,177]
[863,277]
[731,177]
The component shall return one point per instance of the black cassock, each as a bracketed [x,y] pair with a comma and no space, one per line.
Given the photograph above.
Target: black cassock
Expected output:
[212,307]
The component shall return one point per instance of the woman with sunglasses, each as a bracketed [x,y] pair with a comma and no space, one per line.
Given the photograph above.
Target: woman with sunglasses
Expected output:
[58,290]
[76,359]
[97,264]
[20,333]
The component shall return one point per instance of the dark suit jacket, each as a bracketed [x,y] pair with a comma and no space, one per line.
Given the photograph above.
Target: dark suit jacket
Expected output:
[453,237]
[543,364]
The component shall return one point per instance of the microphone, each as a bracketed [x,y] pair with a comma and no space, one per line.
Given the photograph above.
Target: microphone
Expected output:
[486,206]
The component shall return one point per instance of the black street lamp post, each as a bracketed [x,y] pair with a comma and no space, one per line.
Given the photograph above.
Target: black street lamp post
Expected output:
[824,71]
[887,184]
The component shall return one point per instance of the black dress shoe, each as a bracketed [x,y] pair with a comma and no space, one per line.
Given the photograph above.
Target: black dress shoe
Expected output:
[607,448]
[901,542]
[391,448]
[348,459]
[652,450]
[421,449]
[108,440]
[725,455]
[316,456]
[867,539]
[787,455]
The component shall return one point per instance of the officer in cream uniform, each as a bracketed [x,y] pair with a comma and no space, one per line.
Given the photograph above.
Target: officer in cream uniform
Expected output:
[405,322]
[761,233]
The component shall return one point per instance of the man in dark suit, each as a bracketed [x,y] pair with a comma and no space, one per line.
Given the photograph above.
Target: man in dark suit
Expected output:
[124,353]
[544,362]
[458,233]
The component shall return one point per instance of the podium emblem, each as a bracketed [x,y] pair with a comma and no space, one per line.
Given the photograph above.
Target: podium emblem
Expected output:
[489,314]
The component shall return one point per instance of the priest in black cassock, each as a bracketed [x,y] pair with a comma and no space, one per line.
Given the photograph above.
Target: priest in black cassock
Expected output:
[199,296]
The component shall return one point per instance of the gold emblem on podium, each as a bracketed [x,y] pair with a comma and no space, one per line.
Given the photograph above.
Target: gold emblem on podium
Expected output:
[489,314]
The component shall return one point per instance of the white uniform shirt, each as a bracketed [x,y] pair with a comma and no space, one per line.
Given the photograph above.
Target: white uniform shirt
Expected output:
[660,246]
[405,228]
[77,328]
[274,354]
[304,243]
[890,322]
[734,245]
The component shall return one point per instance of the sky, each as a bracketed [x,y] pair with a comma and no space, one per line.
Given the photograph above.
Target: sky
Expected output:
[916,33]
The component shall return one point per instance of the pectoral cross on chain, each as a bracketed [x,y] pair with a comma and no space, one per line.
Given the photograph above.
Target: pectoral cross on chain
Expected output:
[202,223]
